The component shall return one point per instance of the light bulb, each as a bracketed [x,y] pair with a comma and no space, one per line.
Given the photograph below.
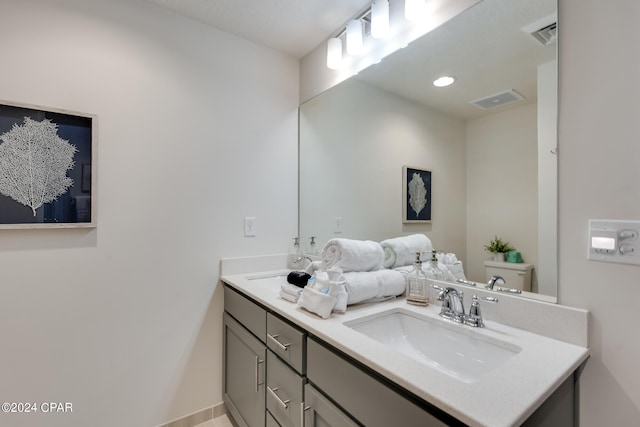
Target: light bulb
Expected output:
[444,81]
[380,19]
[334,54]
[414,10]
[355,44]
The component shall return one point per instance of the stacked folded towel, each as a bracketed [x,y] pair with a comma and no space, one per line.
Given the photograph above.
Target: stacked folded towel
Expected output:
[350,272]
[352,255]
[401,251]
[290,292]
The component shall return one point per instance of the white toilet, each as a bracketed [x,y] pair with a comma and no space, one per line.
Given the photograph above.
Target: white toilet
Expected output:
[516,275]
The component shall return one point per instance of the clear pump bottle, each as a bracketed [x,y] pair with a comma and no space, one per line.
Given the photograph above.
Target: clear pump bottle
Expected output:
[295,254]
[417,284]
[432,271]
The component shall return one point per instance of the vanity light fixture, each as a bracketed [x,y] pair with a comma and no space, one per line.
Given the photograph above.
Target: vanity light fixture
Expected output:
[444,81]
[414,10]
[355,42]
[334,53]
[380,19]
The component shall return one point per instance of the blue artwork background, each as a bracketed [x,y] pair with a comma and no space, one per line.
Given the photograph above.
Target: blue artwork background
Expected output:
[75,205]
[425,213]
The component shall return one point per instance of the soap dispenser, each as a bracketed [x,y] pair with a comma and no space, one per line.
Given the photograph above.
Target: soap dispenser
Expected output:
[312,246]
[295,254]
[417,284]
[432,271]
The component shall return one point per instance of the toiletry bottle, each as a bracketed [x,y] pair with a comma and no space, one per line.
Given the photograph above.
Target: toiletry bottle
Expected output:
[312,246]
[432,271]
[417,284]
[294,254]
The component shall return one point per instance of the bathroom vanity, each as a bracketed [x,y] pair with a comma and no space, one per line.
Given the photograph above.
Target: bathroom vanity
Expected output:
[284,366]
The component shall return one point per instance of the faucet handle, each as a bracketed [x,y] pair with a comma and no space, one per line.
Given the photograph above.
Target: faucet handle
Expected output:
[474,318]
[442,290]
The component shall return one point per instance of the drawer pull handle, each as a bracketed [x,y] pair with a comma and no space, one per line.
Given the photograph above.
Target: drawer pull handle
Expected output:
[274,338]
[303,409]
[258,383]
[272,392]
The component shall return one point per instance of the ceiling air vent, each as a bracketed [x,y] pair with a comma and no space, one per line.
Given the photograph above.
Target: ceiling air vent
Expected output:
[497,100]
[545,30]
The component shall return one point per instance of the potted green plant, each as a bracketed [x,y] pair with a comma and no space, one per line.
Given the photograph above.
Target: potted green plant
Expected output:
[498,248]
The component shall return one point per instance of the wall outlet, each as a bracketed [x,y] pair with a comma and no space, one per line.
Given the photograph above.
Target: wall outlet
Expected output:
[249,226]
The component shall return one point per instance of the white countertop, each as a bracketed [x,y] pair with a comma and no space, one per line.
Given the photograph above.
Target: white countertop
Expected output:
[506,396]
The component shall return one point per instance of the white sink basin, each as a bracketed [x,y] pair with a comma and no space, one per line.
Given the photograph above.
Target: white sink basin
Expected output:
[272,282]
[453,349]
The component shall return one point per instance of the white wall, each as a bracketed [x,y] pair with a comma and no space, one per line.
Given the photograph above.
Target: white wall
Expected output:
[356,140]
[502,186]
[196,129]
[599,177]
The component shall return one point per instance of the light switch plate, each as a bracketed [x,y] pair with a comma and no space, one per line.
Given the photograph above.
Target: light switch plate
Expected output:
[249,226]
[614,241]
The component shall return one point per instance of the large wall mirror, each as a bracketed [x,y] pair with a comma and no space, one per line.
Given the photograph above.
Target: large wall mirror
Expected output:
[494,166]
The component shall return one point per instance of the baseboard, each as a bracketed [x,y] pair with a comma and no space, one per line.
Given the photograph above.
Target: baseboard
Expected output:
[198,417]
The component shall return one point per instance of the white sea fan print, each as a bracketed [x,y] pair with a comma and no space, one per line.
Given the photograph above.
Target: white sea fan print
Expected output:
[417,193]
[34,162]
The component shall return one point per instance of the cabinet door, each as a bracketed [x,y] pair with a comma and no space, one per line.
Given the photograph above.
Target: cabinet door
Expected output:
[244,389]
[320,412]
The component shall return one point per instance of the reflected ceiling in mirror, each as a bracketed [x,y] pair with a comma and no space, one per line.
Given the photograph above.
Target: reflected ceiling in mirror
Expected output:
[493,170]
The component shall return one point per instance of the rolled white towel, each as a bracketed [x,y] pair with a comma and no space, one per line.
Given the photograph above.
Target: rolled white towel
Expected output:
[370,285]
[401,251]
[352,255]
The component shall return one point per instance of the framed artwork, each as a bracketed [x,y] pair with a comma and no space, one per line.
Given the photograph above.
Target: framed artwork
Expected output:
[47,167]
[416,195]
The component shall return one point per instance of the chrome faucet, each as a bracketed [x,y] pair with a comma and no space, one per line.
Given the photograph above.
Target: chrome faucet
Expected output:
[493,280]
[302,258]
[453,307]
[452,304]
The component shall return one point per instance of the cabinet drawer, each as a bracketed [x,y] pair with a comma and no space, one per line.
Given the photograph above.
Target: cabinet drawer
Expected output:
[284,392]
[251,315]
[271,422]
[320,412]
[367,399]
[286,341]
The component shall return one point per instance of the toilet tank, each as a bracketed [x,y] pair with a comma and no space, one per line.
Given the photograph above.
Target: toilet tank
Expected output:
[516,276]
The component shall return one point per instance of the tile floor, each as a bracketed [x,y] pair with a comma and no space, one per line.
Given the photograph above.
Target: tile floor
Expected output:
[221,421]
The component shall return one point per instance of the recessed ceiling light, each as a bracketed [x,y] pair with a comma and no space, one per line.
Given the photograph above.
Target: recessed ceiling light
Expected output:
[444,81]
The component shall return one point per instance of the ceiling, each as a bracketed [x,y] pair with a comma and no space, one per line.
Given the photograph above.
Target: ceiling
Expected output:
[484,47]
[295,27]
[486,50]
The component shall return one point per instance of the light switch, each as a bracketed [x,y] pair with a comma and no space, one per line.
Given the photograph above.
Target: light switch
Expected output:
[338,225]
[249,226]
[614,241]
